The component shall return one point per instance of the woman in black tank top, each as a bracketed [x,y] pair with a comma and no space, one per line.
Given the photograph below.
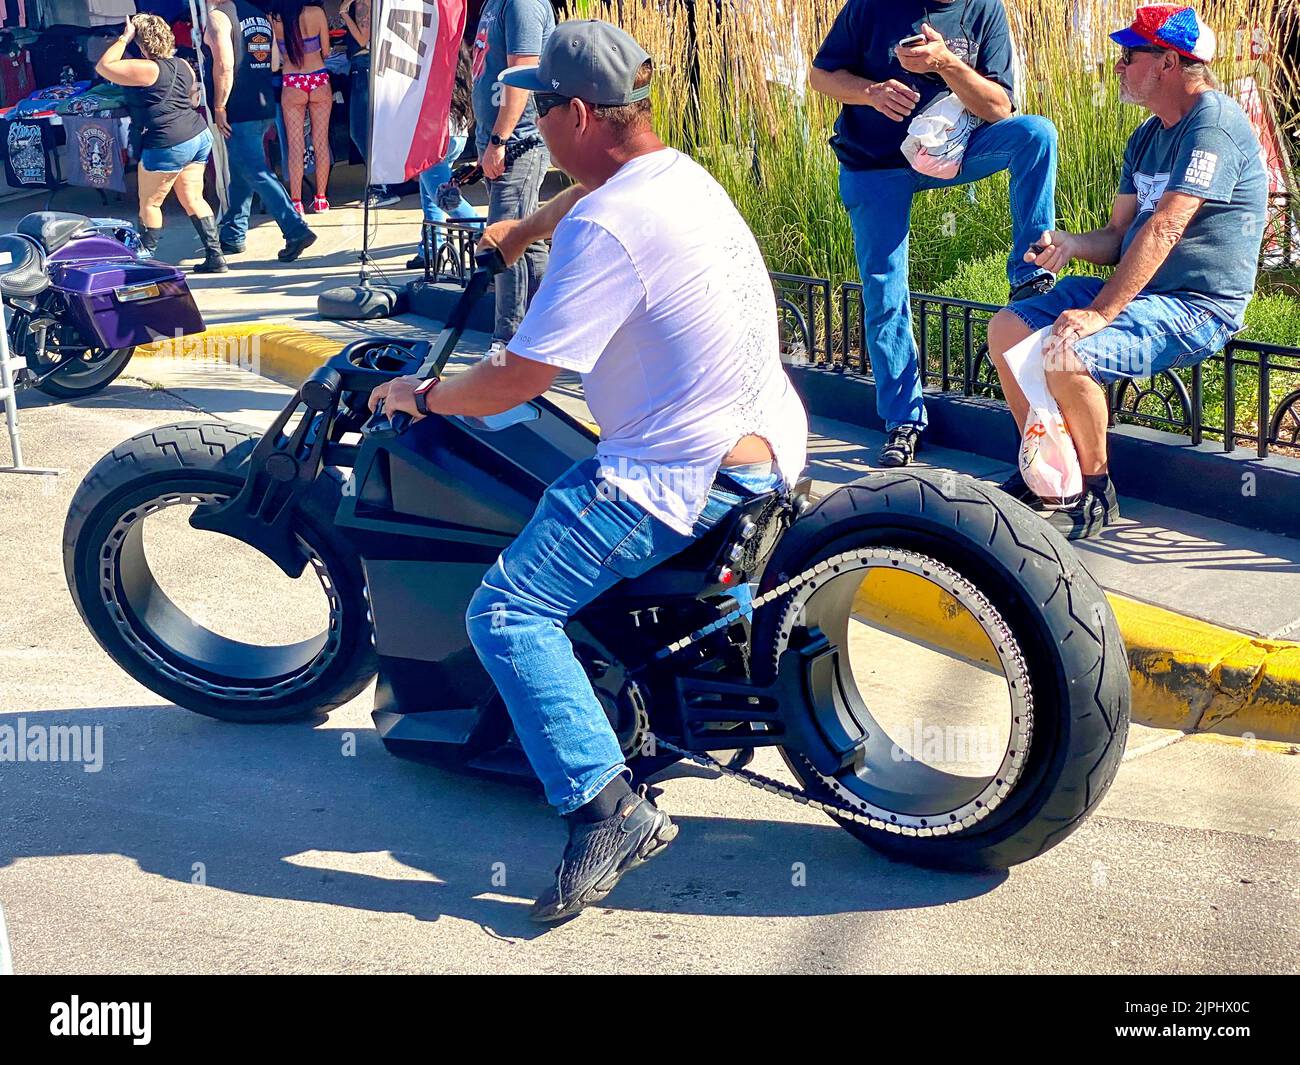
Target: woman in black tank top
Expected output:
[162,93]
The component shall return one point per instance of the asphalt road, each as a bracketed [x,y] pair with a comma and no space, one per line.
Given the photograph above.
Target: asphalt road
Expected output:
[206,847]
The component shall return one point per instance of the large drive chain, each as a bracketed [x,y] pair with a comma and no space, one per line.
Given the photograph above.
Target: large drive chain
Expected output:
[1005,643]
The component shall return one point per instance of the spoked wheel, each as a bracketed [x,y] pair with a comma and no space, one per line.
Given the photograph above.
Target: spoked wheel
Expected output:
[200,618]
[91,370]
[966,687]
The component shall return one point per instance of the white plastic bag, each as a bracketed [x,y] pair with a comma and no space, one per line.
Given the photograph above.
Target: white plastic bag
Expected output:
[1048,462]
[937,137]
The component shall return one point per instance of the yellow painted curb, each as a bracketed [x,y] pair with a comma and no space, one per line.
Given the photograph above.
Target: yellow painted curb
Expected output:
[1186,674]
[1198,677]
[282,351]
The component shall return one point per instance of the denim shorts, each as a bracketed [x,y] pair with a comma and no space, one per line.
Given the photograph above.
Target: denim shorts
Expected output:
[176,158]
[1152,334]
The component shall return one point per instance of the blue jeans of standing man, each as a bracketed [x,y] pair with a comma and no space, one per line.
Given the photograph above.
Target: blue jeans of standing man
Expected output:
[580,542]
[437,175]
[250,173]
[515,194]
[879,203]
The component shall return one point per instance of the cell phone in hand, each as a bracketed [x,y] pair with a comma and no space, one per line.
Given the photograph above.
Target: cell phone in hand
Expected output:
[913,41]
[1038,249]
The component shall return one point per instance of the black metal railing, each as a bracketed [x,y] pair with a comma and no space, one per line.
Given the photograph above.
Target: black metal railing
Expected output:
[803,307]
[448,249]
[1255,385]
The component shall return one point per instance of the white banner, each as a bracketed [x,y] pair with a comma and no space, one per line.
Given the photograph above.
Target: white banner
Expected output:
[414,48]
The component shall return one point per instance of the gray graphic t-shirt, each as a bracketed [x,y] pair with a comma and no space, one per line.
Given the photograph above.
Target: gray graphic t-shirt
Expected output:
[1211,153]
[505,28]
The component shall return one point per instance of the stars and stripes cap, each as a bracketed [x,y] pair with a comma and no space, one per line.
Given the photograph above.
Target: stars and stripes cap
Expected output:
[1169,26]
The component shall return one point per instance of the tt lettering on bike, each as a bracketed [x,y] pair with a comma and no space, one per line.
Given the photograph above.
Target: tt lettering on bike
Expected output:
[404,38]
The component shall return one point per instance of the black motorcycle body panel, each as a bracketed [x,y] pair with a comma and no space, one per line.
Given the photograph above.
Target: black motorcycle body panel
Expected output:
[431,510]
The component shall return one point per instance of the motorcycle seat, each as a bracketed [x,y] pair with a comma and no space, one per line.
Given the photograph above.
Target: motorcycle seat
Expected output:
[53,229]
[697,567]
[23,276]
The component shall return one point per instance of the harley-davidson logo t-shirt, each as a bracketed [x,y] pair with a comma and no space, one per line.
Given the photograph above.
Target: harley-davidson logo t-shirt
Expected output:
[657,294]
[1211,153]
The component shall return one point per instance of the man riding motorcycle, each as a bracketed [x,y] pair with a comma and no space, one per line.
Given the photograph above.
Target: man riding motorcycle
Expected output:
[658,297]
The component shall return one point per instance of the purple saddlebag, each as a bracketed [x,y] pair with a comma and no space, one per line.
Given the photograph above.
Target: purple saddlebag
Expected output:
[124,303]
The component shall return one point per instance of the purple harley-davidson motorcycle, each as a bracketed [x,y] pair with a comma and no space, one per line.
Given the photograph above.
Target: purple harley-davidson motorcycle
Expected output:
[78,299]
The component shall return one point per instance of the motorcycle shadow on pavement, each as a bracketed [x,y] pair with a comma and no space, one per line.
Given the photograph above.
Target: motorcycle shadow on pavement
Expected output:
[326,815]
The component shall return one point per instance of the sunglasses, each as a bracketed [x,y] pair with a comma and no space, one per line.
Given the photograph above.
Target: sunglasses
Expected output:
[1126,53]
[548,101]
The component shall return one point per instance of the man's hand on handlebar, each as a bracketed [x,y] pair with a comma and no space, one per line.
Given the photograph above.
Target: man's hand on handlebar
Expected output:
[397,395]
[510,237]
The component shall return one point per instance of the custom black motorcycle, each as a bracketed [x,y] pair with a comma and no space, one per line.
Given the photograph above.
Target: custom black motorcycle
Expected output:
[933,663]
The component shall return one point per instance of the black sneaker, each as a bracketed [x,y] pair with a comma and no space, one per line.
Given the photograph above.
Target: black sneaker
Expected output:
[379,196]
[1035,286]
[295,246]
[901,447]
[599,853]
[417,263]
[1086,515]
[1015,487]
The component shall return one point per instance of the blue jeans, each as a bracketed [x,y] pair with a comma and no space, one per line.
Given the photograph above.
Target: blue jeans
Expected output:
[437,175]
[579,543]
[1152,334]
[250,173]
[516,194]
[879,203]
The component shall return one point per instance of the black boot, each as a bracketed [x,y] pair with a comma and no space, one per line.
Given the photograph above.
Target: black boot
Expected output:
[149,238]
[206,228]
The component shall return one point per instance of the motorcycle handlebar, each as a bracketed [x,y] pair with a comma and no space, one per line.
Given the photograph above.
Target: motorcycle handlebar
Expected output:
[488,262]
[489,259]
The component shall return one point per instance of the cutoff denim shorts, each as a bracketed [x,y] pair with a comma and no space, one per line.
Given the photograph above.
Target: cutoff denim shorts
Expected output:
[198,149]
[1152,334]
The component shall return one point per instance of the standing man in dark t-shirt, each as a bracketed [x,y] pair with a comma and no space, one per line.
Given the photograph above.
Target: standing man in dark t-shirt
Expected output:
[967,51]
[240,53]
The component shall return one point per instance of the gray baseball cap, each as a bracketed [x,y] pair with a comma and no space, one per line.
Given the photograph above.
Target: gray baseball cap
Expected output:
[589,59]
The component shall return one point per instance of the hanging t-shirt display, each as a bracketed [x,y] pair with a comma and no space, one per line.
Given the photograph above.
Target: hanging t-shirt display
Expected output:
[28,153]
[16,77]
[95,152]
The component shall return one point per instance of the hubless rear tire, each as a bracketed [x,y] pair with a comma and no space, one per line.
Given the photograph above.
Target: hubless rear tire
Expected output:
[1068,634]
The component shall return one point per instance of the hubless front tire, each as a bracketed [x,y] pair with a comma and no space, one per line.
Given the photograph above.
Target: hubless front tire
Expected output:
[207,457]
[1065,627]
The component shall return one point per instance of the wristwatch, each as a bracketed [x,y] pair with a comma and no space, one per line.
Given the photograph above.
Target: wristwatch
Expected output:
[496,138]
[421,394]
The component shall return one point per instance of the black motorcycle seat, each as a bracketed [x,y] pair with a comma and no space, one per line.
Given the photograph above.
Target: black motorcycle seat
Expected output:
[23,276]
[53,229]
[696,568]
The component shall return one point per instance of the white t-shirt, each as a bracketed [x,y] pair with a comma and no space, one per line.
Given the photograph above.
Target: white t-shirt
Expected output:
[656,293]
